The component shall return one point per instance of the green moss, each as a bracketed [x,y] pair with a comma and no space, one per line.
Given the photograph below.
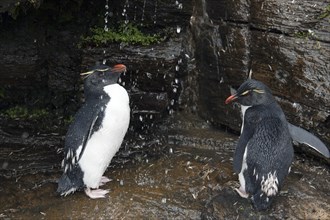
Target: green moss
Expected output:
[309,34]
[301,34]
[68,120]
[125,34]
[20,112]
[17,7]
[325,13]
[14,10]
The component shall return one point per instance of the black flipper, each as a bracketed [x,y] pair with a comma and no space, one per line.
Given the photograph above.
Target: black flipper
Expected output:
[87,121]
[89,133]
[302,136]
[248,130]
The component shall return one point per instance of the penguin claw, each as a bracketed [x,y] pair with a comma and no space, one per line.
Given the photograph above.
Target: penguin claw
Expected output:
[242,193]
[104,180]
[96,193]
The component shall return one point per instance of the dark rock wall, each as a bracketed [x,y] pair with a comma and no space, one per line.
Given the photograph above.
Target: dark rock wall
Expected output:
[39,59]
[210,47]
[284,43]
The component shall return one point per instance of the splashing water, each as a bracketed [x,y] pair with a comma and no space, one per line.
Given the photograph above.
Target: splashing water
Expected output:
[124,13]
[154,17]
[179,5]
[178,29]
[106,29]
[143,10]
[106,15]
[175,85]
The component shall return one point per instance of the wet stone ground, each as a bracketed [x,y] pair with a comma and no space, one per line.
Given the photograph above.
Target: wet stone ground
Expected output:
[181,181]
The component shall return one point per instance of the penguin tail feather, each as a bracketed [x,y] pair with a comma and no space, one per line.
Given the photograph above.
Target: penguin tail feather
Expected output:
[65,186]
[261,201]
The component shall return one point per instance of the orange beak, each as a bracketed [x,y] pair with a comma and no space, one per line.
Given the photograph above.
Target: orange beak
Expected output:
[119,68]
[230,99]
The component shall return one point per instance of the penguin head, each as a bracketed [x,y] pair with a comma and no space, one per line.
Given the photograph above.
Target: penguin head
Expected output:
[252,92]
[103,75]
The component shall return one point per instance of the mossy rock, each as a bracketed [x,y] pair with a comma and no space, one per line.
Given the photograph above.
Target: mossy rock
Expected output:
[126,33]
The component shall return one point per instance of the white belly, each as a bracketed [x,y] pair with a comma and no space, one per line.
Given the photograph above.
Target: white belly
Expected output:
[104,143]
[244,167]
[244,164]
[243,110]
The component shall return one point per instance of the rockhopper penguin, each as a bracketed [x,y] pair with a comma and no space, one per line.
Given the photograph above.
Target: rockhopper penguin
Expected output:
[264,151]
[96,132]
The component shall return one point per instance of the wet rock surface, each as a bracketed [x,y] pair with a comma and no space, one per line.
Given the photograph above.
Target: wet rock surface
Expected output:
[176,182]
[285,44]
[208,47]
[171,165]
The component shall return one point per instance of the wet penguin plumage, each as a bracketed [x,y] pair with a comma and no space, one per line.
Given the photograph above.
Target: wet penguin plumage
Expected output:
[96,133]
[264,152]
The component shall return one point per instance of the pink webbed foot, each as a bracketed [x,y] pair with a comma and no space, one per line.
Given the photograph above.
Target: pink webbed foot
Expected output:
[104,180]
[242,192]
[96,193]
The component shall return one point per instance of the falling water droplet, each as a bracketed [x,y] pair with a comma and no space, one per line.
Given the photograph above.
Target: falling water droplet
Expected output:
[176,80]
[149,75]
[175,90]
[143,10]
[106,4]
[178,29]
[177,68]
[155,12]
[141,118]
[178,4]
[106,29]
